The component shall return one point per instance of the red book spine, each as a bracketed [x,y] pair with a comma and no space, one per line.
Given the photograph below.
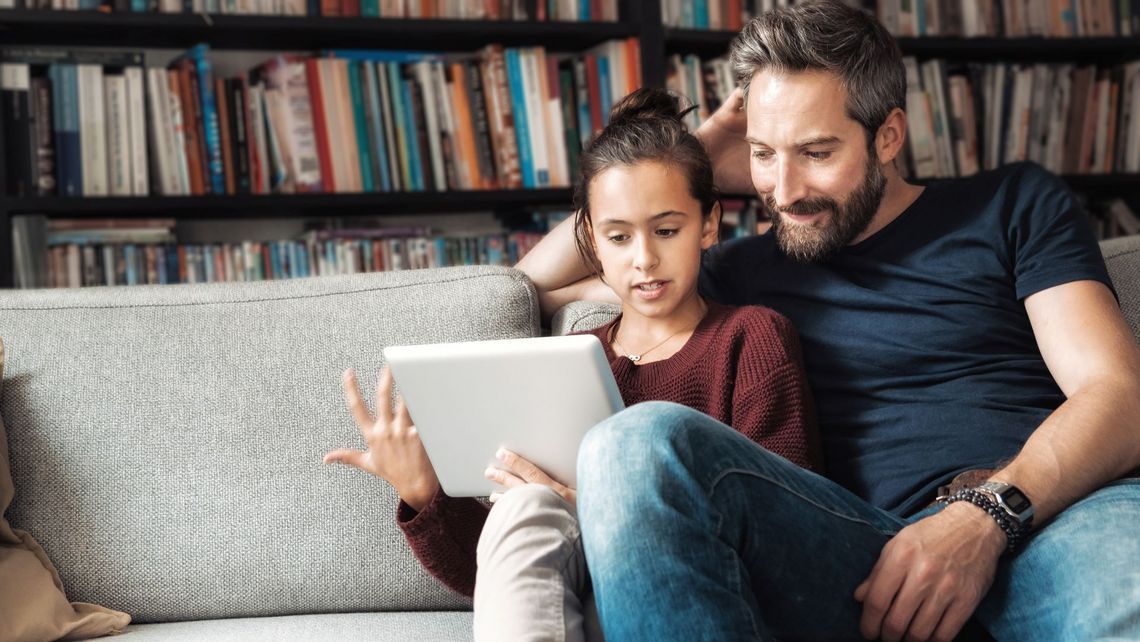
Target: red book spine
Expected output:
[595,91]
[320,125]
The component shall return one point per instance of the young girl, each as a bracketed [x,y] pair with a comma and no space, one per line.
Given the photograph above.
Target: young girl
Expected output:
[647,209]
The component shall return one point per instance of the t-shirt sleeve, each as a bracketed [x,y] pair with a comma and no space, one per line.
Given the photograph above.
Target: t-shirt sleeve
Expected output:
[771,402]
[1051,239]
[443,537]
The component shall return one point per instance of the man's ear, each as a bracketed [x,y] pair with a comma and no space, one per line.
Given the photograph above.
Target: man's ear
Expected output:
[710,227]
[891,136]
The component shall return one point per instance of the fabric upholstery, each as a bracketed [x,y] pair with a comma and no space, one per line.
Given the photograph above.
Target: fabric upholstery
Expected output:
[375,627]
[582,315]
[1122,256]
[166,441]
[33,605]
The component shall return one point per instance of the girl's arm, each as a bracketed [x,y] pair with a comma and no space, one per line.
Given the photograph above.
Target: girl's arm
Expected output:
[442,531]
[443,537]
[771,402]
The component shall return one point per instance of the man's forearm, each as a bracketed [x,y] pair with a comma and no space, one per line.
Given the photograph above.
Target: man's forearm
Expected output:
[1092,439]
[554,264]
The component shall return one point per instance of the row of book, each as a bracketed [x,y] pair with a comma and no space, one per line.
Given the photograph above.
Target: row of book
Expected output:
[61,252]
[1011,18]
[1113,219]
[1070,119]
[717,15]
[533,10]
[97,123]
[80,253]
[705,83]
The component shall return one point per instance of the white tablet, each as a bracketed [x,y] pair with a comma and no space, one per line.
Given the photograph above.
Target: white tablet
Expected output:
[536,397]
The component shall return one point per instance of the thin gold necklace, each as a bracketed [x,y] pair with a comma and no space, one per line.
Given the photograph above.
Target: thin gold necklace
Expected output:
[637,357]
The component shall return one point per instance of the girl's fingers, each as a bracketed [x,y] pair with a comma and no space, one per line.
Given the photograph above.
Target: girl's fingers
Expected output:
[503,478]
[384,396]
[355,402]
[494,497]
[403,419]
[523,468]
[345,456]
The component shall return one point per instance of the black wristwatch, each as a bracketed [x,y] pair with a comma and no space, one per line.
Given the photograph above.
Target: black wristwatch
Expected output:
[1011,500]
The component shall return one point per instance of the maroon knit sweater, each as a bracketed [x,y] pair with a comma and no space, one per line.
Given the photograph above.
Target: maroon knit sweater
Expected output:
[742,366]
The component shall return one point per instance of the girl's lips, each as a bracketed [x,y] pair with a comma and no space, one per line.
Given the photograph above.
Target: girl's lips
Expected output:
[651,294]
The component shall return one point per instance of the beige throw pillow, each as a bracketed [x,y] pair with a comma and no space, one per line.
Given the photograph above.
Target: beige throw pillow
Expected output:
[33,606]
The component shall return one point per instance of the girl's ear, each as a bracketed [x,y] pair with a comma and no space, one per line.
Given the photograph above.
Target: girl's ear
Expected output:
[710,227]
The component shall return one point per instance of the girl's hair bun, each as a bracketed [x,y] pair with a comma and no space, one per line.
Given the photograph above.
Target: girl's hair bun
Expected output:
[648,104]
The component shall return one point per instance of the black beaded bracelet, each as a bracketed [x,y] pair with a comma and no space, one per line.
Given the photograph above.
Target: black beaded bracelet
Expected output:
[1014,531]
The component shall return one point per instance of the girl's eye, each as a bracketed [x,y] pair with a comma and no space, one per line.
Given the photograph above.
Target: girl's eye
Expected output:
[617,238]
[666,232]
[761,154]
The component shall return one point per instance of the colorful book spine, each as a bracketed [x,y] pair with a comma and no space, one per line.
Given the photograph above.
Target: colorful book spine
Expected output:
[200,55]
[518,109]
[365,150]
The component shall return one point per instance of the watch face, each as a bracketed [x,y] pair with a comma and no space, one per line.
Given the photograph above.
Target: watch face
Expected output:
[1016,501]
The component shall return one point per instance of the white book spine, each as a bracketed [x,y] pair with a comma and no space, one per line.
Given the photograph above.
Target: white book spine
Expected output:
[431,119]
[1133,153]
[92,132]
[117,135]
[534,116]
[556,140]
[158,123]
[136,117]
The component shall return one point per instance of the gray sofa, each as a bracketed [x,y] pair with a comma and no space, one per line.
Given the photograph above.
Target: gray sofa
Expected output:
[166,444]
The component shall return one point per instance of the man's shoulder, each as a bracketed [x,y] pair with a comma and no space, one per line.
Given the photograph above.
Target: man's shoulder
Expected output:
[1016,179]
[744,251]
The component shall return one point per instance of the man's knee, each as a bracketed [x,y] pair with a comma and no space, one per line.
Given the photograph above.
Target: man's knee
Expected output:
[630,442]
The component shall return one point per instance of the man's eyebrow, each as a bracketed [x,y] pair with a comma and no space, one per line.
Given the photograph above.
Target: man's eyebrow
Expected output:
[661,215]
[819,140]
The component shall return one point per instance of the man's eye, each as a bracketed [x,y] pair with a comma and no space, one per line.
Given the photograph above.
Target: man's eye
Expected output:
[819,155]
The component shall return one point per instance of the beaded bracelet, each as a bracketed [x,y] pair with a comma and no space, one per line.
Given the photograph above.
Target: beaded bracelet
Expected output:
[1014,530]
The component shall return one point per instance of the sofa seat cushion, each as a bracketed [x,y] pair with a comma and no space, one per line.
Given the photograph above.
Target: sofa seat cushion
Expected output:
[374,627]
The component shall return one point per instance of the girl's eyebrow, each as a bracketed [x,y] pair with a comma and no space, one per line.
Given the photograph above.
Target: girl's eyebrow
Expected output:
[655,217]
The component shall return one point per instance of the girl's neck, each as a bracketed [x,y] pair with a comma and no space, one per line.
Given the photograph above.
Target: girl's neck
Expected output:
[636,332]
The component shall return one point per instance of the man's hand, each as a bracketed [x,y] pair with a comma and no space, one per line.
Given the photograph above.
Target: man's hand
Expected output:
[722,136]
[395,453]
[519,471]
[931,576]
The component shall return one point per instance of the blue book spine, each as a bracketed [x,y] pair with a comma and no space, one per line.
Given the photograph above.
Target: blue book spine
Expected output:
[138,6]
[584,10]
[604,85]
[172,264]
[365,150]
[89,5]
[307,266]
[380,55]
[129,259]
[313,8]
[275,261]
[518,109]
[372,86]
[65,117]
[395,88]
[411,137]
[920,12]
[370,8]
[701,14]
[199,54]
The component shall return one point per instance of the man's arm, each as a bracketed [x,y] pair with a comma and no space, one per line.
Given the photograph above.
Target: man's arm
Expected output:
[930,578]
[722,136]
[559,274]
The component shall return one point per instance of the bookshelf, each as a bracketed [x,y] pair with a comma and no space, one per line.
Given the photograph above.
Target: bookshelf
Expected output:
[637,19]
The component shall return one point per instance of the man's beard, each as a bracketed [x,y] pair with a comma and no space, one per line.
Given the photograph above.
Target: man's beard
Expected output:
[808,243]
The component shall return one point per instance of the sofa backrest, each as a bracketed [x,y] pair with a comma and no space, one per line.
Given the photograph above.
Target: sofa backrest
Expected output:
[1121,255]
[166,441]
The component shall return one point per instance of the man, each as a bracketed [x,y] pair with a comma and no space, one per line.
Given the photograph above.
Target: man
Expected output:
[964,330]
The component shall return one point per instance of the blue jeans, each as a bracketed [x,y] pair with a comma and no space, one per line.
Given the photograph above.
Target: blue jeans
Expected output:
[693,532]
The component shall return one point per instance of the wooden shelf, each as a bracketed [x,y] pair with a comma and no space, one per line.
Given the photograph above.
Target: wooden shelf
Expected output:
[290,33]
[293,205]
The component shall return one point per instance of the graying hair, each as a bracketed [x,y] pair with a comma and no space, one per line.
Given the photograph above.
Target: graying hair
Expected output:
[830,36]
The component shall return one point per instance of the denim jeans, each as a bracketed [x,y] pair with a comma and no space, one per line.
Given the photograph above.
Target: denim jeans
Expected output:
[693,532]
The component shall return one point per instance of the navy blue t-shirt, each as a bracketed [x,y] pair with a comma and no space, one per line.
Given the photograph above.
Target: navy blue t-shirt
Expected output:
[916,341]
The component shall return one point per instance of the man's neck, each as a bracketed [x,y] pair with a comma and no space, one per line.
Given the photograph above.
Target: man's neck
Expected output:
[897,197]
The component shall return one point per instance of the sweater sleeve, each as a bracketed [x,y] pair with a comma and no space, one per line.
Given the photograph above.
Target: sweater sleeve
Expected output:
[443,537]
[771,402]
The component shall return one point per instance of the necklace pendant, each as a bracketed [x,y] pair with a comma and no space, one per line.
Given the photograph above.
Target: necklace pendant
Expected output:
[634,357]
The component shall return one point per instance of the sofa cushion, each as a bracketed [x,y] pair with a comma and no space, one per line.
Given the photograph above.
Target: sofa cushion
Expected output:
[1122,256]
[440,626]
[33,605]
[166,441]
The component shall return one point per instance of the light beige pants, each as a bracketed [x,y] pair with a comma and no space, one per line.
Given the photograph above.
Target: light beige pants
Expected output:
[532,582]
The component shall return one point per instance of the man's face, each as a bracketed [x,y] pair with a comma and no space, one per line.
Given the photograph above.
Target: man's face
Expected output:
[810,163]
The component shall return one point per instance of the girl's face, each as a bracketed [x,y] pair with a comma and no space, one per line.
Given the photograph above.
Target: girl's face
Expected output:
[648,234]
